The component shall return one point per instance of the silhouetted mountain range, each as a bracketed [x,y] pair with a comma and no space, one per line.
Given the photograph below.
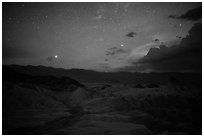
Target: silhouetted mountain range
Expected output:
[47,81]
[90,76]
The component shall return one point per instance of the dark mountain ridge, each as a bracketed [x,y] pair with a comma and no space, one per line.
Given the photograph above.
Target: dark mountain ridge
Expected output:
[47,81]
[90,76]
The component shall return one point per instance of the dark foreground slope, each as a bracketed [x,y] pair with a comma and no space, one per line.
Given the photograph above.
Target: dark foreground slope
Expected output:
[30,101]
[60,105]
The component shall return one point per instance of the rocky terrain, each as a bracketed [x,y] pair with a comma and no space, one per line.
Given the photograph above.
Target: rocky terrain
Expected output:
[49,105]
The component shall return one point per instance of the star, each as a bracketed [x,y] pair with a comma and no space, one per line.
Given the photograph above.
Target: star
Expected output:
[56,56]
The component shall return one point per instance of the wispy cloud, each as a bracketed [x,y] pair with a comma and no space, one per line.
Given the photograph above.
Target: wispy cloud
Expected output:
[98,17]
[115,51]
[99,14]
[192,14]
[131,34]
[183,57]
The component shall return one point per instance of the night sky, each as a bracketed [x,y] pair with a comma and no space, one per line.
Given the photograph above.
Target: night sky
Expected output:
[142,37]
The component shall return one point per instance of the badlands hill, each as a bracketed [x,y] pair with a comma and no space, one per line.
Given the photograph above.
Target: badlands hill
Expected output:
[43,103]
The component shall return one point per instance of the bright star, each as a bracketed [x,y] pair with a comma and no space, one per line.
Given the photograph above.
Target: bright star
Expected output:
[56,56]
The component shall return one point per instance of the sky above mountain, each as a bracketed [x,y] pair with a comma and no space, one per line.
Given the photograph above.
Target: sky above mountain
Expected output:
[104,36]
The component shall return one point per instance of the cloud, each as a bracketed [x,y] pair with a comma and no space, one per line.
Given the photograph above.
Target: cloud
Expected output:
[172,16]
[179,37]
[50,59]
[184,57]
[100,14]
[140,51]
[131,34]
[98,17]
[193,14]
[115,51]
